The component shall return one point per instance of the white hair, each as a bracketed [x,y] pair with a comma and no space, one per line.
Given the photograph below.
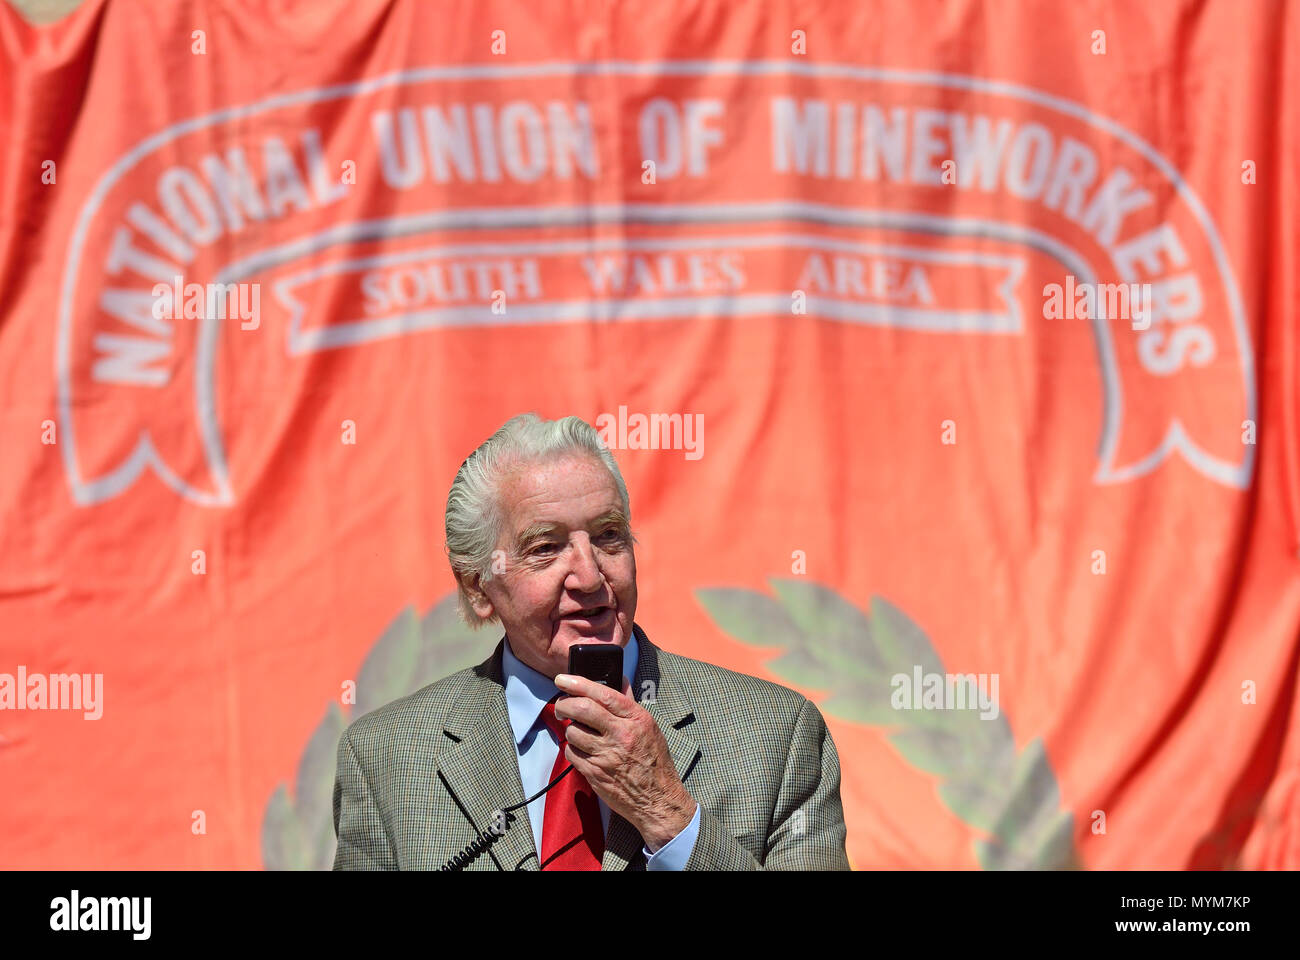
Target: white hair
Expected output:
[474,514]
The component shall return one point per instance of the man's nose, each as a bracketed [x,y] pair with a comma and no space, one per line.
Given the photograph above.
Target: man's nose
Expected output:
[584,574]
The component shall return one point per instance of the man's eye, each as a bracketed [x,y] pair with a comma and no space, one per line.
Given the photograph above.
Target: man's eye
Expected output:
[542,547]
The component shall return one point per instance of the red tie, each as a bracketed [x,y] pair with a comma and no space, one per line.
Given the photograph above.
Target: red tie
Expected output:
[572,835]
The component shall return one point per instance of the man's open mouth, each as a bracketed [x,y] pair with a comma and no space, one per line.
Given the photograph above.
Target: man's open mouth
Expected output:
[590,613]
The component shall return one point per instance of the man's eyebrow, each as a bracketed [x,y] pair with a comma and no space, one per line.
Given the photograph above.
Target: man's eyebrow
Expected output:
[544,528]
[536,531]
[610,516]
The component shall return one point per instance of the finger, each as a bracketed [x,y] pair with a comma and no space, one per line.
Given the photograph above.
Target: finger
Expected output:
[616,702]
[585,711]
[580,759]
[583,737]
[578,686]
[619,703]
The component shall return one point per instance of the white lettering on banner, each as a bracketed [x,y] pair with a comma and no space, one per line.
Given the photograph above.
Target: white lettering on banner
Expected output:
[878,279]
[883,285]
[1026,161]
[665,274]
[517,141]
[519,206]
[413,287]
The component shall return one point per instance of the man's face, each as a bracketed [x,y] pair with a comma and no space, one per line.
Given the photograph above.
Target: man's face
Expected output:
[567,548]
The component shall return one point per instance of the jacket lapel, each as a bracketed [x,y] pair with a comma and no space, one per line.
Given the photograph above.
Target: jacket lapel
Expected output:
[666,702]
[481,768]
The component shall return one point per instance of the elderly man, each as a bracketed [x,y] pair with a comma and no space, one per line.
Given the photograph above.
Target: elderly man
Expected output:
[688,766]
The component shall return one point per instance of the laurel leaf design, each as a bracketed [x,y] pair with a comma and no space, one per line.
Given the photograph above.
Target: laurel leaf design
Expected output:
[298,832]
[755,618]
[831,645]
[282,845]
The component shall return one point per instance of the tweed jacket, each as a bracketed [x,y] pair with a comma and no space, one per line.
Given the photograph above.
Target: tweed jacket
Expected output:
[420,778]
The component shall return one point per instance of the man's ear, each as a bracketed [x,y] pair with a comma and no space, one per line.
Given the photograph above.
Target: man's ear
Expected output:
[477,598]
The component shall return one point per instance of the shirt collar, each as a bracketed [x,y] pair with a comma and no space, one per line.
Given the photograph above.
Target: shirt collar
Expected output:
[527,691]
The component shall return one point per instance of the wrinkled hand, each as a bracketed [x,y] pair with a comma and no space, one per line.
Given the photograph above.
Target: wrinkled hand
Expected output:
[615,743]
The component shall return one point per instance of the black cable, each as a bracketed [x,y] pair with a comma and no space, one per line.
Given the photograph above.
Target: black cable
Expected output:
[486,838]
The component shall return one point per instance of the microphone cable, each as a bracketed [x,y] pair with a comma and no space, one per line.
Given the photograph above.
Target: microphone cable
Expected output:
[481,843]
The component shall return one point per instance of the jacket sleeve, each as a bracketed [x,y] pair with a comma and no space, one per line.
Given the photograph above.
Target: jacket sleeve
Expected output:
[807,830]
[363,839]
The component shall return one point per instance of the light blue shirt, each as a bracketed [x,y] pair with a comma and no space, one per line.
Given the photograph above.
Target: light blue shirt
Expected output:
[527,691]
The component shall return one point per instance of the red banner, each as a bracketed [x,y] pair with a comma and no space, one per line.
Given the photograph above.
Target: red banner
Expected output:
[948,350]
